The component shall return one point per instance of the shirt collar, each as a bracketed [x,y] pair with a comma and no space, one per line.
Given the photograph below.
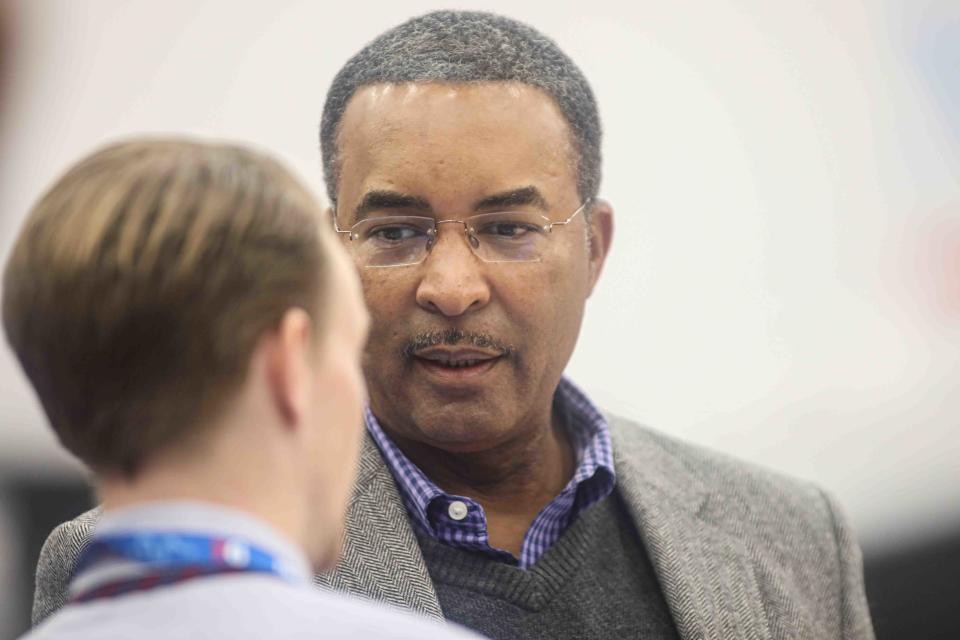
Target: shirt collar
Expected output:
[204,518]
[589,437]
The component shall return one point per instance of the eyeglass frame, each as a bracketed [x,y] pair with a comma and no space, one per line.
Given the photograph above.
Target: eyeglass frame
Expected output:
[547,228]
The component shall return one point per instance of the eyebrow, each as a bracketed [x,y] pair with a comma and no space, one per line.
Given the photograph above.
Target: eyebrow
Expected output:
[380,199]
[523,196]
[377,200]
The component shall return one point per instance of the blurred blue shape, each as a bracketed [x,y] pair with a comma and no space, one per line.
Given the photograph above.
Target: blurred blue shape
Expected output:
[937,51]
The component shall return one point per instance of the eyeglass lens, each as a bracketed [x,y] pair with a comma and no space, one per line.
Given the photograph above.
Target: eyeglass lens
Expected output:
[493,237]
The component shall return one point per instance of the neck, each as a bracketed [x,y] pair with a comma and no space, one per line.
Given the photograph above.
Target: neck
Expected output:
[217,474]
[513,480]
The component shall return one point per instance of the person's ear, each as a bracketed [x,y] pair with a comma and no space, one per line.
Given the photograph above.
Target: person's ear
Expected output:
[288,362]
[601,235]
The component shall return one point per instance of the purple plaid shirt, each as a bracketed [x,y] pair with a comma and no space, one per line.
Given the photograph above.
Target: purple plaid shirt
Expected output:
[460,521]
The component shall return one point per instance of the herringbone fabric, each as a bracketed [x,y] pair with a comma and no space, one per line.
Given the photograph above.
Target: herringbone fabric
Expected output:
[58,557]
[381,559]
[740,552]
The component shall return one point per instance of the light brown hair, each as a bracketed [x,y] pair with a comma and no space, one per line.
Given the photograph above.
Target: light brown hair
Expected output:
[141,281]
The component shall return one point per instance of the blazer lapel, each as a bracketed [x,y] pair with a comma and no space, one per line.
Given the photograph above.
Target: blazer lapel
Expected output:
[706,574]
[381,559]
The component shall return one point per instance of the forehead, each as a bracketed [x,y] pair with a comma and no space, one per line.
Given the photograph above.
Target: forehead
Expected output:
[430,138]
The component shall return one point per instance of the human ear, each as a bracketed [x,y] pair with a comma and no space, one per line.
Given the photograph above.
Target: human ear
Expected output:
[288,365]
[601,235]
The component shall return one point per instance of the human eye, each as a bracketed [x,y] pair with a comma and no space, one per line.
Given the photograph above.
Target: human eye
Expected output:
[393,233]
[507,229]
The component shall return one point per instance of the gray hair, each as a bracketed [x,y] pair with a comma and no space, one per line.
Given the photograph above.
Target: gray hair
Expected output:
[464,47]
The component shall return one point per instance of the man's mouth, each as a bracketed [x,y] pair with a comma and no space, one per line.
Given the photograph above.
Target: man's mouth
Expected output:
[455,364]
[452,364]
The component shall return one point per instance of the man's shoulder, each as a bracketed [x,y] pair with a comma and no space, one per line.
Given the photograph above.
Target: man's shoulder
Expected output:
[711,517]
[731,489]
[70,537]
[703,461]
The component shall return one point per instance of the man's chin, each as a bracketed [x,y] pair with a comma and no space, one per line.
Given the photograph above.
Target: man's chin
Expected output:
[449,410]
[461,427]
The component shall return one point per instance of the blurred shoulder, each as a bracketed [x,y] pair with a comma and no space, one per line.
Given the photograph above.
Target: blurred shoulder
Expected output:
[735,491]
[58,557]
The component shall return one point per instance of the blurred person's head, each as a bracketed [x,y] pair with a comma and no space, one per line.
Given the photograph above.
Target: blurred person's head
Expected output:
[445,117]
[191,332]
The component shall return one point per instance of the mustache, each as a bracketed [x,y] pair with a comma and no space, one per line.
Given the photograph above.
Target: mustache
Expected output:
[451,337]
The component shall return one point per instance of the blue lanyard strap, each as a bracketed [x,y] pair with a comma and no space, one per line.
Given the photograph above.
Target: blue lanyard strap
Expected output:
[152,580]
[168,558]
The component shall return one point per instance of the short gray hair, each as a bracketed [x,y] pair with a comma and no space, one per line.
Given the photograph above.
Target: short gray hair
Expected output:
[464,47]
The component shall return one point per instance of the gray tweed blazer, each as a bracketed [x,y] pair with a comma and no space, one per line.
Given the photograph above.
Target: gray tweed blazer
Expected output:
[740,552]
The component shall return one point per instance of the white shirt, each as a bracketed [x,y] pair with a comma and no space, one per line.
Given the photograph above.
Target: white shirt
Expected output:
[234,606]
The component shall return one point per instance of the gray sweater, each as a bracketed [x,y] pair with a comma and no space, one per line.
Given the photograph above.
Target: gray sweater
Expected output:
[595,582]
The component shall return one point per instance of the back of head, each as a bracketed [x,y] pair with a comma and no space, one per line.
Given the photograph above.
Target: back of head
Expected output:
[469,47]
[140,282]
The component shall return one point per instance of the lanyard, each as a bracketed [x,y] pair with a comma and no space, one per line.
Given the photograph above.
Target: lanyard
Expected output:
[168,558]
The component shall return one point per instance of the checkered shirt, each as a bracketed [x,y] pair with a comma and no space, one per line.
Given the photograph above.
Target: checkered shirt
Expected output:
[593,480]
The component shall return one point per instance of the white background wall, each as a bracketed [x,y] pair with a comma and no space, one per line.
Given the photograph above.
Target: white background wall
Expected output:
[785,279]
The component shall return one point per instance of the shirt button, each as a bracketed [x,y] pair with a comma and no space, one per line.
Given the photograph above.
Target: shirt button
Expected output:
[457,510]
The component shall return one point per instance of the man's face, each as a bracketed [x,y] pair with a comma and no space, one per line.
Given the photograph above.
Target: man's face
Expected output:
[463,354]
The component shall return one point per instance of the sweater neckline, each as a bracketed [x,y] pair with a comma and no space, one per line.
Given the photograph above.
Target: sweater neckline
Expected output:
[532,588]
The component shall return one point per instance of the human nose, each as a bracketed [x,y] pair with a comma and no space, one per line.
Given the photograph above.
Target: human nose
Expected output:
[453,282]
